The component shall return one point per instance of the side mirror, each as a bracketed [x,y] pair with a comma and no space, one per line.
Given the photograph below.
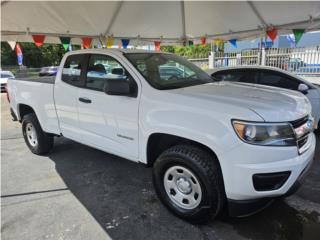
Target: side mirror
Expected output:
[120,87]
[303,88]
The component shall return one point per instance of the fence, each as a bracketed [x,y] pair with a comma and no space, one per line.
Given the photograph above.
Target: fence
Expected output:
[301,61]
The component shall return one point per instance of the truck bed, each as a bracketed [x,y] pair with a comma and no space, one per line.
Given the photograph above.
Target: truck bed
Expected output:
[36,93]
[49,80]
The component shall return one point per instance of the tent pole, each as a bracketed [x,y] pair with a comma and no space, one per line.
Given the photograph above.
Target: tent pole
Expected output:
[114,16]
[183,21]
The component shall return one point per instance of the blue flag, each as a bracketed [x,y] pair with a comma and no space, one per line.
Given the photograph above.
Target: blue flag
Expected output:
[233,42]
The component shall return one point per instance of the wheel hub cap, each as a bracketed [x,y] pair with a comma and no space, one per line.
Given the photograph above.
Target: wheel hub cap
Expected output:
[31,134]
[182,187]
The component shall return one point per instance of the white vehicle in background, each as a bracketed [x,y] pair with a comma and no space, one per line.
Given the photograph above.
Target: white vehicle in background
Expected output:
[211,144]
[5,75]
[273,77]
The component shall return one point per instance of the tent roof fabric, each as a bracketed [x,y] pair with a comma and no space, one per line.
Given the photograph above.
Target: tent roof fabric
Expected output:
[153,20]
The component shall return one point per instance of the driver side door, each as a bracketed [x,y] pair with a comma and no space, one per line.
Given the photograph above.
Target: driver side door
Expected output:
[108,122]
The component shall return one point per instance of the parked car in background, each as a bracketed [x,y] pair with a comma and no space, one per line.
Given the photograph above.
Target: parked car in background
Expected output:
[211,144]
[273,77]
[48,71]
[5,75]
[293,64]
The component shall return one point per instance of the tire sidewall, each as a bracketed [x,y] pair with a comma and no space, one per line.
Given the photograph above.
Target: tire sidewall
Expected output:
[31,119]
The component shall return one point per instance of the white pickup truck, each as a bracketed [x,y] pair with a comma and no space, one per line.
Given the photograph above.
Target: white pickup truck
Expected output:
[211,144]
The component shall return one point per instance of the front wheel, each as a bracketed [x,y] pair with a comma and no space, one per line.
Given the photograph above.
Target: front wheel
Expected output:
[189,182]
[36,139]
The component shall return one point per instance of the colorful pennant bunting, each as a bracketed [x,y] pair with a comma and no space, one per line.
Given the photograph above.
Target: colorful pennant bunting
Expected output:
[125,43]
[65,41]
[233,42]
[203,41]
[86,42]
[272,34]
[298,34]
[19,54]
[157,45]
[12,44]
[38,40]
[109,42]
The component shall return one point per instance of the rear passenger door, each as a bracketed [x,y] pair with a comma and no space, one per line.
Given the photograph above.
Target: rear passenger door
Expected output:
[108,122]
[66,92]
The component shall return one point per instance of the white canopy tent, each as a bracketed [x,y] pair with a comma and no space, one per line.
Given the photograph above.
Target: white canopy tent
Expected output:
[153,20]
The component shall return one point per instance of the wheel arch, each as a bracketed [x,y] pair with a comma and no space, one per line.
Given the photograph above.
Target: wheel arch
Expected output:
[158,142]
[24,109]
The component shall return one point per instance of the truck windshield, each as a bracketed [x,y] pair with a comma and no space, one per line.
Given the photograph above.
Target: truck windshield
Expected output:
[168,71]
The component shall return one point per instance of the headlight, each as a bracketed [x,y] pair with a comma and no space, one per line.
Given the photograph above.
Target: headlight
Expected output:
[266,134]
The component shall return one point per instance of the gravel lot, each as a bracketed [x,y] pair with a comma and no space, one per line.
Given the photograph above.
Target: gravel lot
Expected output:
[77,192]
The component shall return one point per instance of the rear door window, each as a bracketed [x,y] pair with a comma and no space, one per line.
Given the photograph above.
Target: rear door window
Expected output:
[72,69]
[276,79]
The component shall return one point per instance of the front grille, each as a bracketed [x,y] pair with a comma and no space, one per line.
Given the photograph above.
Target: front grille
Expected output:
[302,140]
[299,122]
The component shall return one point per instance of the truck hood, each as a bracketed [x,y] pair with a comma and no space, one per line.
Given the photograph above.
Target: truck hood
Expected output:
[270,103]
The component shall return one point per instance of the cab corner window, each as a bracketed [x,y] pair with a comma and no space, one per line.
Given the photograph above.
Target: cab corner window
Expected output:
[71,72]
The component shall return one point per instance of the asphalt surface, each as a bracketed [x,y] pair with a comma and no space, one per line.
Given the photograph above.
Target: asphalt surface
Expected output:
[77,192]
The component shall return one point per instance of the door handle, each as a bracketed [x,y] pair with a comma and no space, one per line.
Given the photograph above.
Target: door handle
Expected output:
[84,100]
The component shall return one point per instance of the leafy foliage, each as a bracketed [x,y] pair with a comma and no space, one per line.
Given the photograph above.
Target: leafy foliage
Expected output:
[33,56]
[197,51]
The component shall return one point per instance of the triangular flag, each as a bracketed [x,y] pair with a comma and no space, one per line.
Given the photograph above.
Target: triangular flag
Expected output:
[203,41]
[109,42]
[233,42]
[38,39]
[65,42]
[86,42]
[298,34]
[272,34]
[157,45]
[12,44]
[125,43]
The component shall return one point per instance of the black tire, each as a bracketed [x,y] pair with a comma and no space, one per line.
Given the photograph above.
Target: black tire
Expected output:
[206,168]
[44,140]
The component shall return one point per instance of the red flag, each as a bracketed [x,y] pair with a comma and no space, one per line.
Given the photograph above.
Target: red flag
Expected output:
[18,49]
[86,42]
[272,34]
[38,39]
[203,41]
[157,45]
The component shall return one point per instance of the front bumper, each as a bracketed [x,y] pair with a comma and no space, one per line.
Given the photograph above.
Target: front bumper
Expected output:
[243,208]
[240,164]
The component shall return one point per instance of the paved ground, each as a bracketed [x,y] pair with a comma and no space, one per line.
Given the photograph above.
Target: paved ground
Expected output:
[77,192]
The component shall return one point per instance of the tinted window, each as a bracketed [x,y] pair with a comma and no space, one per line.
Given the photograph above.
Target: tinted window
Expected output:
[245,76]
[71,71]
[152,65]
[278,80]
[102,67]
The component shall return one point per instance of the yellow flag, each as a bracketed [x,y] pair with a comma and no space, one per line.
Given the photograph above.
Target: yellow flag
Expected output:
[109,42]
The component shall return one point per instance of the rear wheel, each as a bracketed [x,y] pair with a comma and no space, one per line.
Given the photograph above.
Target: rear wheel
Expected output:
[36,139]
[189,182]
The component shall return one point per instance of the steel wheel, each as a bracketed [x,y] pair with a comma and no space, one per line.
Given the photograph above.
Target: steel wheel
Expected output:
[31,134]
[182,187]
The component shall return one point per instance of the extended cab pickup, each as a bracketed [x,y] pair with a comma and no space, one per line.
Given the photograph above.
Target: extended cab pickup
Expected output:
[211,144]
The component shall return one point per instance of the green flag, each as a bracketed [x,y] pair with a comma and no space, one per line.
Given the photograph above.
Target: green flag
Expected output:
[297,34]
[65,42]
